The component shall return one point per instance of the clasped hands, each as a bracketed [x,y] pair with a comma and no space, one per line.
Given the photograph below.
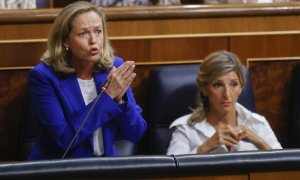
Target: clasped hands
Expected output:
[230,136]
[119,80]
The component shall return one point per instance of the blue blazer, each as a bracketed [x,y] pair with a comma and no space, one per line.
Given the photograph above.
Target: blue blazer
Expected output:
[60,109]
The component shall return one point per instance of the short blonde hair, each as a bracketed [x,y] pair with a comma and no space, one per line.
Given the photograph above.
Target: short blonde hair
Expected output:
[56,54]
[214,65]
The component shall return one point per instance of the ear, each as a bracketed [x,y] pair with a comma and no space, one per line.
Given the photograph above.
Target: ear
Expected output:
[66,45]
[241,90]
[203,89]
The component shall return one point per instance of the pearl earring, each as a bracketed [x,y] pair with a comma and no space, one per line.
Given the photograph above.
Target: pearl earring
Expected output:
[67,49]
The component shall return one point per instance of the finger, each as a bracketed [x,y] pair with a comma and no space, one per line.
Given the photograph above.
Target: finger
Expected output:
[247,135]
[231,133]
[125,83]
[129,79]
[126,87]
[229,140]
[125,67]
[226,142]
[240,132]
[121,95]
[127,75]
[243,136]
[113,70]
[234,131]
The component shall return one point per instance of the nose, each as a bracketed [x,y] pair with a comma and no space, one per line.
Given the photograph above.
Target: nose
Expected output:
[226,92]
[93,38]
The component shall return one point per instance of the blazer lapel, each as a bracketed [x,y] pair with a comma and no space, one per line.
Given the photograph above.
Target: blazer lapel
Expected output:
[99,80]
[71,89]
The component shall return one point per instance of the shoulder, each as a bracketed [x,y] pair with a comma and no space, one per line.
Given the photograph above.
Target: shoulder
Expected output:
[245,114]
[118,61]
[41,68]
[43,71]
[183,120]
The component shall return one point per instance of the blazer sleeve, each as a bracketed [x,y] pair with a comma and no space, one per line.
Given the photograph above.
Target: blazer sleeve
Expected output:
[131,123]
[57,117]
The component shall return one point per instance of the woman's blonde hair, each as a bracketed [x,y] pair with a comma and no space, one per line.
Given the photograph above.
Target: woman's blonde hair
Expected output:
[214,65]
[57,56]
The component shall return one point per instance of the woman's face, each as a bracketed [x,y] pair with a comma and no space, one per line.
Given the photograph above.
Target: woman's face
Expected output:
[86,38]
[223,93]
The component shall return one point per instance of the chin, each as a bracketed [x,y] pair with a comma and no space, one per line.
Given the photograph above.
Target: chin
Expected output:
[228,109]
[94,59]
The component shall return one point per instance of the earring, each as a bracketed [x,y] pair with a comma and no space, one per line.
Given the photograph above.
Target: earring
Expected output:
[67,49]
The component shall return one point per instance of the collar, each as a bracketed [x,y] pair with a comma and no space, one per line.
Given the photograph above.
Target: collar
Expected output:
[208,130]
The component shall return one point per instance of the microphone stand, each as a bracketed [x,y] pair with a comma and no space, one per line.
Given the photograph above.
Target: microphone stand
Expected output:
[86,117]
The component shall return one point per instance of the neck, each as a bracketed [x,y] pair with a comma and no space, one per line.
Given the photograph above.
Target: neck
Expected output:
[84,75]
[218,120]
[84,70]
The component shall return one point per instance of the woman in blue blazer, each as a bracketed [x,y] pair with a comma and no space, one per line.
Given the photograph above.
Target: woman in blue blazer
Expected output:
[78,67]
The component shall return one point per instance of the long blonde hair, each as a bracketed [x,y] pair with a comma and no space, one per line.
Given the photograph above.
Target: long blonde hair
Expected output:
[57,56]
[214,65]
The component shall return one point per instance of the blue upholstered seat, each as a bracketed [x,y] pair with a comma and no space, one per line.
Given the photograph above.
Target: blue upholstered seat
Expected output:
[294,109]
[172,93]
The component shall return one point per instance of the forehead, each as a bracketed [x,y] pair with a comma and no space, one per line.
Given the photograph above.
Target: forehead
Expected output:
[87,19]
[232,75]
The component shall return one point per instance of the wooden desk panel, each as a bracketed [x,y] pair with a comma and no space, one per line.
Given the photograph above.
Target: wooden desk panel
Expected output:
[288,175]
[264,46]
[168,49]
[21,31]
[203,25]
[271,85]
[216,177]
[21,54]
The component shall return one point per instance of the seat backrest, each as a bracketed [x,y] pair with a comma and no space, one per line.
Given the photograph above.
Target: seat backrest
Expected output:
[28,126]
[172,92]
[294,109]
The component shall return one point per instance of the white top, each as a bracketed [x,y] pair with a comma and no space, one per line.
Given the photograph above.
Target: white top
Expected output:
[186,138]
[89,93]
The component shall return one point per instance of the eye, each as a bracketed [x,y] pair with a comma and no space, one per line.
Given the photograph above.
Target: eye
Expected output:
[99,31]
[82,34]
[217,85]
[234,84]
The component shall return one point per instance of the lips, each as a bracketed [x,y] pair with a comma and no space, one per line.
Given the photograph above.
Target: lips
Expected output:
[225,103]
[94,51]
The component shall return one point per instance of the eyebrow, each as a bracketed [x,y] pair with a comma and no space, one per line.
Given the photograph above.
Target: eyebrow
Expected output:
[237,79]
[87,27]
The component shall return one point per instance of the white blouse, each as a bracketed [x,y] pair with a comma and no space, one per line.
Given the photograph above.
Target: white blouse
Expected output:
[89,93]
[186,138]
